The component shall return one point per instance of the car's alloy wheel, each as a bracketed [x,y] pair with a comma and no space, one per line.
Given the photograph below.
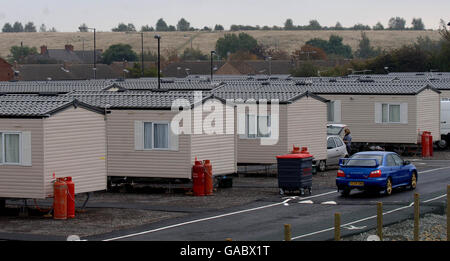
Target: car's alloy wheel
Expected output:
[388,187]
[413,180]
[322,166]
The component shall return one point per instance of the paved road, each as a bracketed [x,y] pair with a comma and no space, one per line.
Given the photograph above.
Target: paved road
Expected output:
[309,217]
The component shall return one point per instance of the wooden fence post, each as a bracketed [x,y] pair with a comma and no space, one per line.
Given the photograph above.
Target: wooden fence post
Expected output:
[287,232]
[337,226]
[380,220]
[416,216]
[448,212]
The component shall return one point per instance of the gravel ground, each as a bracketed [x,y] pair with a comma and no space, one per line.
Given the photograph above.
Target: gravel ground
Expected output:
[432,227]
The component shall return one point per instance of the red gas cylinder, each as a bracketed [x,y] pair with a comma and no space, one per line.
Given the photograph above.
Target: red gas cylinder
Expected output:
[426,140]
[198,178]
[295,150]
[60,199]
[70,197]
[208,177]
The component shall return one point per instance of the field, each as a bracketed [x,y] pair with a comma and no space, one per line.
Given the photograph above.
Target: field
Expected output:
[205,41]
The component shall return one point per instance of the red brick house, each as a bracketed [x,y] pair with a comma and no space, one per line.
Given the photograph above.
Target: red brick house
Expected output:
[6,71]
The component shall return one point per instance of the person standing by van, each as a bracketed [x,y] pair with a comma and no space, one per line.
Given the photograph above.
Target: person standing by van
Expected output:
[348,141]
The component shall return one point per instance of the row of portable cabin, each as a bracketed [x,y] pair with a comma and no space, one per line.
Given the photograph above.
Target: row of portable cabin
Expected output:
[90,135]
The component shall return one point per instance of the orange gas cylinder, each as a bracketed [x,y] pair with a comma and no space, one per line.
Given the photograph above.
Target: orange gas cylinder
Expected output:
[60,199]
[208,177]
[70,197]
[198,178]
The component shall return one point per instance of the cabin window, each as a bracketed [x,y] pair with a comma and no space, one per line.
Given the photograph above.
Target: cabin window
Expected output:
[330,111]
[258,126]
[156,135]
[391,113]
[10,146]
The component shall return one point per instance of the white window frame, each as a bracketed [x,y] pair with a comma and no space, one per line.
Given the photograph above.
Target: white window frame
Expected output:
[256,126]
[389,113]
[3,162]
[153,135]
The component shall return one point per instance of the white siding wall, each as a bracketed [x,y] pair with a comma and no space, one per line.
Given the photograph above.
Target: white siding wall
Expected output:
[251,150]
[428,113]
[75,145]
[307,126]
[24,181]
[219,148]
[125,160]
[358,112]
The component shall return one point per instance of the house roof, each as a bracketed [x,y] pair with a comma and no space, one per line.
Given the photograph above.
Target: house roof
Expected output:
[178,69]
[36,87]
[37,106]
[43,72]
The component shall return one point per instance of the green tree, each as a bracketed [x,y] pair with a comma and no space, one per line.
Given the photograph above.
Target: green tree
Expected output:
[218,27]
[119,52]
[161,25]
[306,69]
[124,28]
[314,25]
[333,46]
[289,24]
[191,54]
[417,24]
[18,53]
[43,28]
[365,50]
[29,27]
[397,23]
[338,26]
[136,71]
[183,25]
[232,43]
[378,26]
[7,28]
[17,27]
[361,27]
[146,28]
[83,28]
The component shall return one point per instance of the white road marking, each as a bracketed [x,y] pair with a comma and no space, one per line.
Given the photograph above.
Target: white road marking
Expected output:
[249,210]
[364,219]
[354,228]
[214,217]
[306,202]
[329,203]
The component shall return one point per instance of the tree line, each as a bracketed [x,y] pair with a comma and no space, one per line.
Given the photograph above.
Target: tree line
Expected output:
[29,27]
[394,23]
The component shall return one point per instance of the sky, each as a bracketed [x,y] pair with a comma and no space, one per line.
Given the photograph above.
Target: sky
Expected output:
[67,16]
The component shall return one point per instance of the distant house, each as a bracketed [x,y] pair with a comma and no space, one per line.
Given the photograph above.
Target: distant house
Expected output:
[66,55]
[186,68]
[45,72]
[257,67]
[6,71]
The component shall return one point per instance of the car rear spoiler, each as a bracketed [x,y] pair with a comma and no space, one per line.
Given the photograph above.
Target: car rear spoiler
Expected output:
[343,162]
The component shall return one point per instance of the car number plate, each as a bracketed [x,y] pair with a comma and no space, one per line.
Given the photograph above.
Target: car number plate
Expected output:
[356,183]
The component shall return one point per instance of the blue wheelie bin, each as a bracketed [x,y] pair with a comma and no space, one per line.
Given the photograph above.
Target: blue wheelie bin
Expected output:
[295,171]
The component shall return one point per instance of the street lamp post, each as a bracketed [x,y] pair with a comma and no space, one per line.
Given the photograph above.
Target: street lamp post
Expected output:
[142,53]
[95,55]
[159,60]
[212,53]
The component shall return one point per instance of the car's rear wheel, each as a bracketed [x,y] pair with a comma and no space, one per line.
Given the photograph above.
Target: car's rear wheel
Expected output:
[322,166]
[345,192]
[413,182]
[388,189]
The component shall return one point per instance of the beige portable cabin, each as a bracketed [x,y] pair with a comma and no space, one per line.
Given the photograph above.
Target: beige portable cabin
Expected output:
[42,135]
[383,112]
[301,122]
[141,143]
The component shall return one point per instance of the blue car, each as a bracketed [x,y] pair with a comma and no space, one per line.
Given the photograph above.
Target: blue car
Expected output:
[375,171]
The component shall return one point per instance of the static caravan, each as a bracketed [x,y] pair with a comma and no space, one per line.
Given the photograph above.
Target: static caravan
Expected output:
[141,140]
[300,121]
[389,114]
[45,137]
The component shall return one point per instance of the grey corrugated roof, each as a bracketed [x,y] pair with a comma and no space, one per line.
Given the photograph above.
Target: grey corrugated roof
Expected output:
[31,105]
[135,100]
[32,87]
